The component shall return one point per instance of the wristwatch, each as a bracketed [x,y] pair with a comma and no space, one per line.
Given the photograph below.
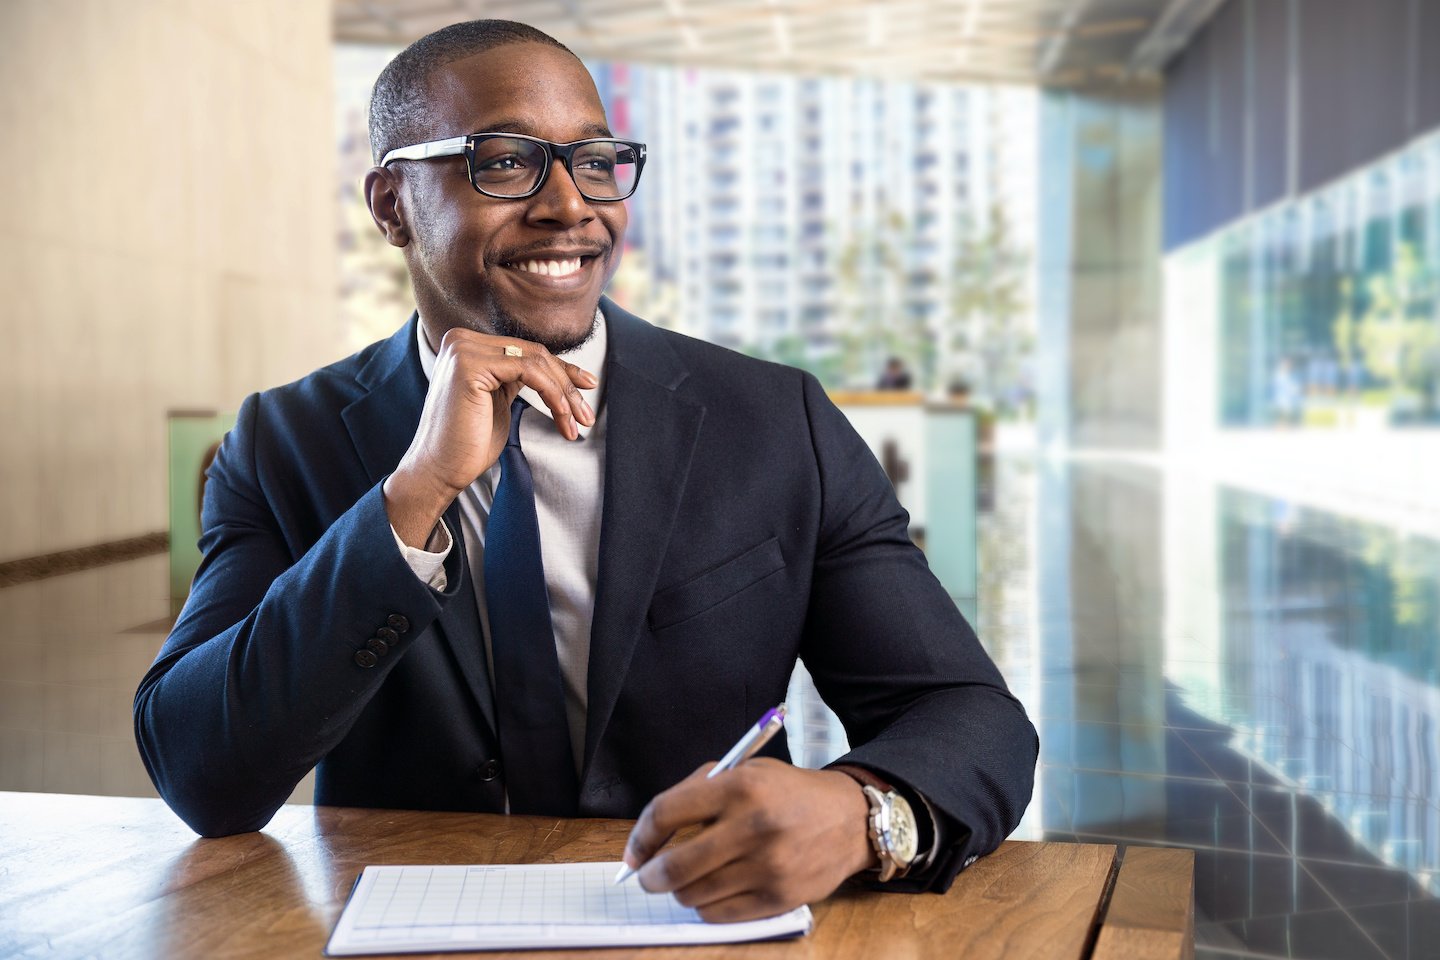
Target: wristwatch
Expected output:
[894,834]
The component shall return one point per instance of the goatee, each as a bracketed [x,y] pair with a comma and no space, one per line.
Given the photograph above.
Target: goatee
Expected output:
[505,325]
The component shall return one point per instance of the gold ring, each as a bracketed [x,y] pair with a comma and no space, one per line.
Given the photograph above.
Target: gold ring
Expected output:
[513,351]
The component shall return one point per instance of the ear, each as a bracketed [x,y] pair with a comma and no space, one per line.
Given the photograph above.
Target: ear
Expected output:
[382,196]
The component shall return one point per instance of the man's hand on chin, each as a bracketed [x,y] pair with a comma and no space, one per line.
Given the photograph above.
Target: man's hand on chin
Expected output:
[466,421]
[772,837]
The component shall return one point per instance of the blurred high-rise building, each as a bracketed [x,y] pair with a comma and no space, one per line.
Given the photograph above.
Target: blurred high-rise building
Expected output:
[820,221]
[806,217]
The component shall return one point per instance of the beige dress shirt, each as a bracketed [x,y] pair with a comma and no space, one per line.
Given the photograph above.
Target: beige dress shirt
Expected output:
[569,478]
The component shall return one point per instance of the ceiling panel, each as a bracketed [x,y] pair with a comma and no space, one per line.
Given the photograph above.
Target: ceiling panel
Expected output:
[1055,42]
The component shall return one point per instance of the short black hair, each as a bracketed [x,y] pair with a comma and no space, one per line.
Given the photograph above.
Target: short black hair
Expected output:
[397,104]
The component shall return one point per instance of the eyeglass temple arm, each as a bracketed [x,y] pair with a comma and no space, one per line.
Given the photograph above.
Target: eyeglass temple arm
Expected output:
[424,151]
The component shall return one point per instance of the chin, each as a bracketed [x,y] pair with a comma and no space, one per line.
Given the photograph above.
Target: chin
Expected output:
[555,332]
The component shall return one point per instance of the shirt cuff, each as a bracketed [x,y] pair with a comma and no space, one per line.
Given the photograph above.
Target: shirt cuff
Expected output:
[428,564]
[938,833]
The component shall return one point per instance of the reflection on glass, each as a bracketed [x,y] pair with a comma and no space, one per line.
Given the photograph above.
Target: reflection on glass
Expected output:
[1329,305]
[1330,632]
[1278,716]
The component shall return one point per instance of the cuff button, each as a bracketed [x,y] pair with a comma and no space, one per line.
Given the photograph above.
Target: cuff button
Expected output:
[397,623]
[388,635]
[377,646]
[366,659]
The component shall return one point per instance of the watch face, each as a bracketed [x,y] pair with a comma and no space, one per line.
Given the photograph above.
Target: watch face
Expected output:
[904,839]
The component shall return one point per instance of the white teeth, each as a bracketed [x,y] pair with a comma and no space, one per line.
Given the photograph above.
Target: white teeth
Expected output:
[550,268]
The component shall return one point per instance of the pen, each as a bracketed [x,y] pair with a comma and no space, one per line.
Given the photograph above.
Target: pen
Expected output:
[748,745]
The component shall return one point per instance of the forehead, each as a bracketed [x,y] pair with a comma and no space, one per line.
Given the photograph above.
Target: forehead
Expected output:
[523,87]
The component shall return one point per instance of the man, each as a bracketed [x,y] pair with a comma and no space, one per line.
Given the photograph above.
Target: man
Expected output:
[532,554]
[894,376]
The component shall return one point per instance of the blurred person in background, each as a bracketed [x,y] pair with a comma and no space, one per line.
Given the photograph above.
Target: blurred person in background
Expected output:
[894,376]
[1287,394]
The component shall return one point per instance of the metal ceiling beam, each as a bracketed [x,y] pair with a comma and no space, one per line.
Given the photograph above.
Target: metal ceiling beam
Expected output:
[1028,41]
[1171,33]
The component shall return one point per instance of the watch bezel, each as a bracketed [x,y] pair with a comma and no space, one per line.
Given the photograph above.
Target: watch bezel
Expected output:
[883,811]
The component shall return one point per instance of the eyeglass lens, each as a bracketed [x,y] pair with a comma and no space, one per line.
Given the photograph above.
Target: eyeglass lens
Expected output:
[511,167]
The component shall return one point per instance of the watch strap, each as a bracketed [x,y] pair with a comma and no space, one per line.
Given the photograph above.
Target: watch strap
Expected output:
[888,869]
[863,776]
[930,827]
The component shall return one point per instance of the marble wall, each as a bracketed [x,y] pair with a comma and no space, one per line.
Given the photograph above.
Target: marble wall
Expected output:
[170,172]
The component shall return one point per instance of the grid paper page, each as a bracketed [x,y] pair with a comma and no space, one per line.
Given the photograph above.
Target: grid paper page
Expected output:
[503,907]
[554,893]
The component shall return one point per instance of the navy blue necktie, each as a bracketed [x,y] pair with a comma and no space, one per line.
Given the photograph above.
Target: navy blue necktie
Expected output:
[529,694]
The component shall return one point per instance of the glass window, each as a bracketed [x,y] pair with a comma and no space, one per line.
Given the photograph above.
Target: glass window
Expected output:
[1330,304]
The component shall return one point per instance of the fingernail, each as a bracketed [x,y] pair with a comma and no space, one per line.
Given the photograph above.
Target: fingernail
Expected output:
[589,410]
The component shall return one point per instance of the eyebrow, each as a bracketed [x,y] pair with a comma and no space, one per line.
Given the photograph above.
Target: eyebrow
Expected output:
[515,125]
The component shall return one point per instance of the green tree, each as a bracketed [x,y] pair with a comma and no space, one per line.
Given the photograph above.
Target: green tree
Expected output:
[877,316]
[1397,334]
[984,344]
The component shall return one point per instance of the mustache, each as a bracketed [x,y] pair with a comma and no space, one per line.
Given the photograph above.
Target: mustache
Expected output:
[584,248]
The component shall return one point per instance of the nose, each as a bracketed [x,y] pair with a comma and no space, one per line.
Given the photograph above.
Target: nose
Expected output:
[559,201]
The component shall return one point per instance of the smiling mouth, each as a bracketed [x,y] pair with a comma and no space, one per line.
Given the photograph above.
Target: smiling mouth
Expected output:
[550,267]
[553,267]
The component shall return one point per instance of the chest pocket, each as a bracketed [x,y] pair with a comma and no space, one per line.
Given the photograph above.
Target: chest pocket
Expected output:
[714,586]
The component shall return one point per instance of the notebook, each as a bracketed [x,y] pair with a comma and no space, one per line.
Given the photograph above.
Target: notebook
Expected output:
[415,909]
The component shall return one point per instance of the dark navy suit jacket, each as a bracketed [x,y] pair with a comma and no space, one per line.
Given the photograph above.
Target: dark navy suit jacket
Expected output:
[744,524]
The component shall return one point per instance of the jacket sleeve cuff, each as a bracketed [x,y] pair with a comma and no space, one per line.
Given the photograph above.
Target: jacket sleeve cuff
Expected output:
[938,861]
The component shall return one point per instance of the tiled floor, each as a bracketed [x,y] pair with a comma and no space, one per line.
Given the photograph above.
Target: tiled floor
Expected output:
[1207,668]
[1218,670]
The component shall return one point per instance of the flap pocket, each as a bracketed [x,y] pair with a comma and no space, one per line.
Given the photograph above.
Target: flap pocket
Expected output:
[695,596]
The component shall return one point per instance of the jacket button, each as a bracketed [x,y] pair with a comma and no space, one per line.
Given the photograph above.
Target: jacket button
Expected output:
[397,623]
[388,635]
[489,770]
[377,646]
[366,659]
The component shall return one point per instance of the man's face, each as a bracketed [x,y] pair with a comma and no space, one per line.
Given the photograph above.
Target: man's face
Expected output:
[473,258]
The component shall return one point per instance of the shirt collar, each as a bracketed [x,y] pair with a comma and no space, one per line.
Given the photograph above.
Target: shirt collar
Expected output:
[590,355]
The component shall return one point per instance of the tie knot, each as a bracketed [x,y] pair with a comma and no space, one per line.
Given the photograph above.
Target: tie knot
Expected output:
[516,409]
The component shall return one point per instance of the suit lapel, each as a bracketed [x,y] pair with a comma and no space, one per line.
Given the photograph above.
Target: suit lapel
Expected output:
[650,435]
[383,421]
[381,425]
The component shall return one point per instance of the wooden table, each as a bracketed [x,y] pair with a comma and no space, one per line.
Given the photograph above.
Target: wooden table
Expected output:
[123,877]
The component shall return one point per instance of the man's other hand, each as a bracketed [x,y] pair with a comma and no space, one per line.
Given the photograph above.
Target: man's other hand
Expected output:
[772,837]
[466,421]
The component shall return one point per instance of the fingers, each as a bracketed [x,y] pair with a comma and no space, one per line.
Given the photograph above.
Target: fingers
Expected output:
[569,378]
[693,800]
[771,837]
[729,880]
[487,363]
[752,905]
[580,376]
[684,865]
[717,875]
[565,403]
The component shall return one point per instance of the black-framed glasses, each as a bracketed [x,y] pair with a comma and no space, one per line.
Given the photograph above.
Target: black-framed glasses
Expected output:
[512,166]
